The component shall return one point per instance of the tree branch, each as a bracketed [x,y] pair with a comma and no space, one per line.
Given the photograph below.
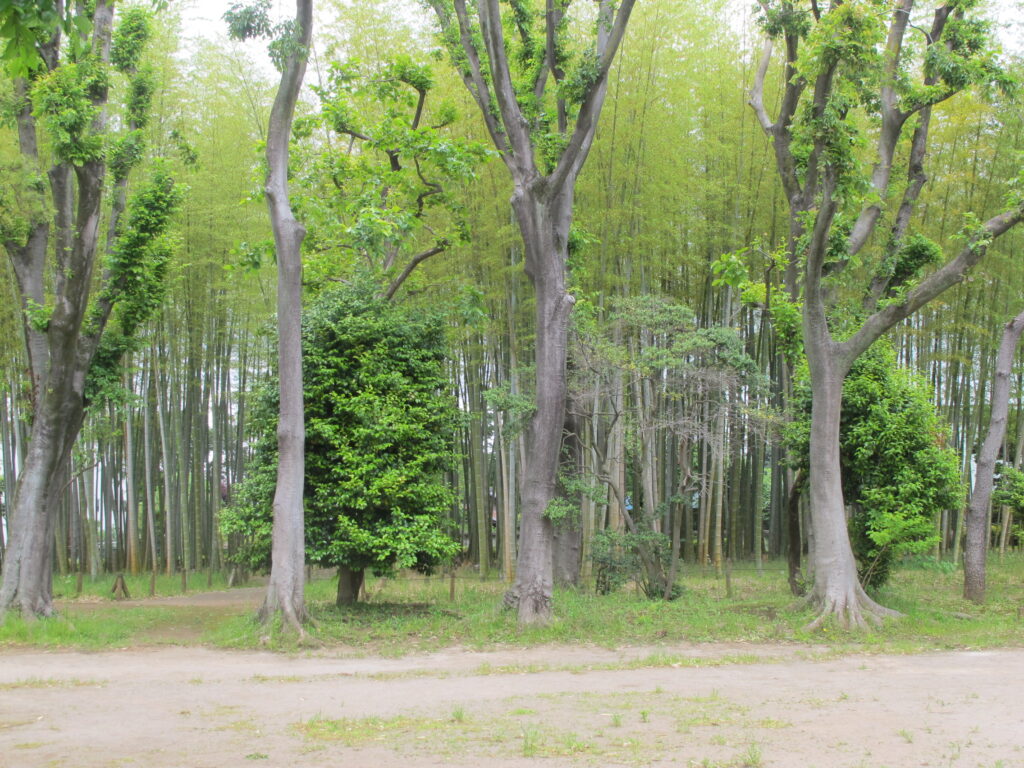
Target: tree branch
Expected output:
[943,278]
[415,262]
[757,89]
[473,78]
[516,128]
[610,34]
[893,120]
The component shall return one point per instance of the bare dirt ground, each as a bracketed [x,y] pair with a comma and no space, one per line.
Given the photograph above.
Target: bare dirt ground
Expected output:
[713,705]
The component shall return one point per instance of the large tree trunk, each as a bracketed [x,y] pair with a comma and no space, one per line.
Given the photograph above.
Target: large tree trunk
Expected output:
[568,532]
[27,560]
[350,581]
[286,589]
[543,208]
[545,228]
[837,591]
[976,543]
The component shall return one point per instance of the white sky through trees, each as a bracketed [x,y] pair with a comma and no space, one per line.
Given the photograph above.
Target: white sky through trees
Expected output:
[205,19]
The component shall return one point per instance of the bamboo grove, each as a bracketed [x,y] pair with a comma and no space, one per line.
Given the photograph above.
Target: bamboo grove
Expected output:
[680,380]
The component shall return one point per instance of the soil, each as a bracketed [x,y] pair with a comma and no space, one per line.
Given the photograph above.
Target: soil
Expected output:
[725,705]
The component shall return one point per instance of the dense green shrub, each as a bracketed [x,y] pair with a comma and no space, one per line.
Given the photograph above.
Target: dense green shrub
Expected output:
[618,560]
[380,426]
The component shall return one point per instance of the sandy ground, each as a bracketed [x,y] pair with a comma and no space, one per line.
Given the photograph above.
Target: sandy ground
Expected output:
[705,705]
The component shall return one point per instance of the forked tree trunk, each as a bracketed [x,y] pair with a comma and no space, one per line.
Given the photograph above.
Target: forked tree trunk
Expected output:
[976,543]
[543,209]
[27,561]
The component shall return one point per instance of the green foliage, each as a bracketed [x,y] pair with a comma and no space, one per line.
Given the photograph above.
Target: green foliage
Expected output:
[617,561]
[249,20]
[1009,490]
[22,201]
[967,56]
[23,26]
[252,20]
[897,471]
[398,179]
[379,438]
[137,268]
[140,96]
[38,315]
[66,101]
[915,253]
[129,40]
[125,153]
[785,19]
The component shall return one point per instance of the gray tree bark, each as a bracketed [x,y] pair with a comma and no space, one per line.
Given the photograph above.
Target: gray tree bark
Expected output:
[976,542]
[61,353]
[285,590]
[543,208]
[836,590]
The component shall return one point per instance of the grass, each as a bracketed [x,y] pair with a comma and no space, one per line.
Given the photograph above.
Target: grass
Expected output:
[563,725]
[415,615]
[50,682]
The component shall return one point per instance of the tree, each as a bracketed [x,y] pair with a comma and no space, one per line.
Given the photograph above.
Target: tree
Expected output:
[290,50]
[77,324]
[384,201]
[898,473]
[848,65]
[682,381]
[976,544]
[540,102]
[380,428]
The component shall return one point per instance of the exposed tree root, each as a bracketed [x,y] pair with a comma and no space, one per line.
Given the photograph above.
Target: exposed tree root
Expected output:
[291,618]
[510,601]
[850,609]
[533,608]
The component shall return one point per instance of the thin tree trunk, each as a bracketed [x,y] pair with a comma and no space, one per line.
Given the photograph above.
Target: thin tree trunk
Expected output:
[976,544]
[285,591]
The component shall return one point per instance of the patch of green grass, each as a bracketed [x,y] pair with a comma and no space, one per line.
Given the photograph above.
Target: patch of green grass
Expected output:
[561,725]
[414,614]
[49,682]
[98,626]
[101,628]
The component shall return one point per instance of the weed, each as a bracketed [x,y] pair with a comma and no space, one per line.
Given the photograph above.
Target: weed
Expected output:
[531,741]
[50,682]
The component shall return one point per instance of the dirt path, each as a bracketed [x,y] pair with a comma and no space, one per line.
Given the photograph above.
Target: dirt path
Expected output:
[728,705]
